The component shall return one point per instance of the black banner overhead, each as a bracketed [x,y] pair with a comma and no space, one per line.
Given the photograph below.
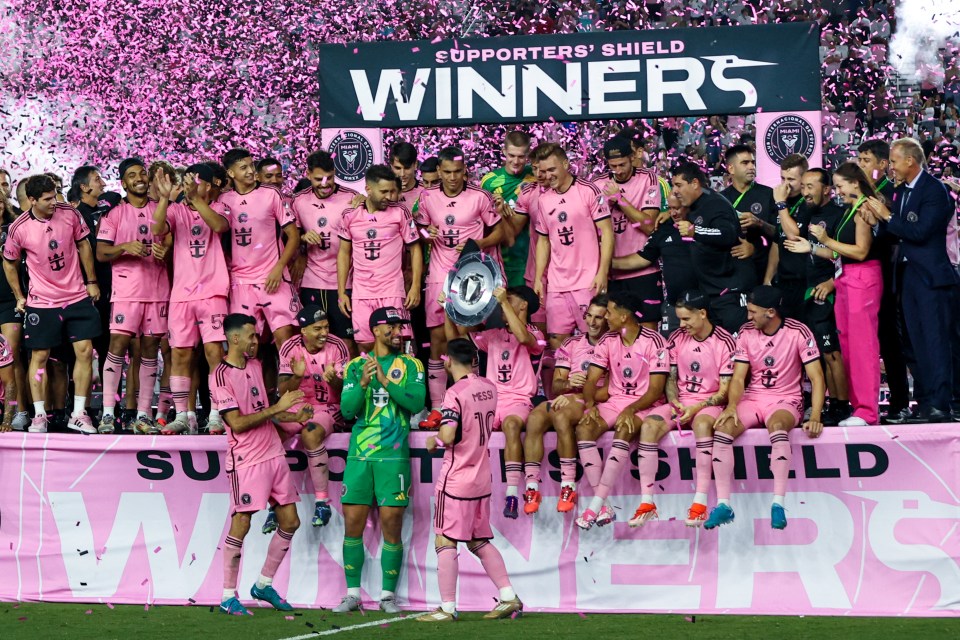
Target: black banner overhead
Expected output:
[583,76]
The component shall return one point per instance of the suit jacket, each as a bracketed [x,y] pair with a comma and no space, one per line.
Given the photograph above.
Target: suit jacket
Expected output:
[919,218]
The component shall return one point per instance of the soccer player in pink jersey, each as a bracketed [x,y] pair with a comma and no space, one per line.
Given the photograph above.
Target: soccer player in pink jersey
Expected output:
[319,212]
[270,172]
[701,363]
[313,362]
[633,196]
[141,293]
[256,462]
[571,213]
[775,352]
[372,239]
[636,364]
[258,260]
[512,357]
[53,236]
[564,412]
[449,216]
[201,284]
[462,503]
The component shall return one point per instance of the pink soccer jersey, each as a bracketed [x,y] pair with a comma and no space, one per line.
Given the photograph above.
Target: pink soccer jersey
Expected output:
[255,243]
[315,389]
[776,361]
[642,191]
[200,270]
[575,354]
[53,261]
[463,217]
[135,278]
[569,220]
[243,390]
[528,204]
[629,367]
[409,198]
[323,216]
[469,405]
[700,364]
[378,240]
[510,364]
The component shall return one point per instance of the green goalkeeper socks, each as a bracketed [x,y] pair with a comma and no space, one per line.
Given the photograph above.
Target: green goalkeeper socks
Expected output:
[391,560]
[353,561]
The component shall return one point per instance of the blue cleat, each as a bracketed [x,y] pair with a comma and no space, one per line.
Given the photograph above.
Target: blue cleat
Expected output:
[233,607]
[510,509]
[270,524]
[721,514]
[778,517]
[270,595]
[322,513]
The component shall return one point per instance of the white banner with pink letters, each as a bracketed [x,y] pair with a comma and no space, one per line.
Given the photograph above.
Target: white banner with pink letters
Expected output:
[873,530]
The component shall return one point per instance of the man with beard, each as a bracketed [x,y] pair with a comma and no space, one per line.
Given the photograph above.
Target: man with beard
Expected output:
[754,204]
[140,296]
[785,269]
[270,172]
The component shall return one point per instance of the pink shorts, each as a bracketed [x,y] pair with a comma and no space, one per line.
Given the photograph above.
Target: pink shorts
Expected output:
[325,416]
[194,321]
[138,318]
[714,412]
[565,310]
[273,310]
[756,412]
[520,407]
[462,520]
[266,483]
[434,312]
[612,408]
[363,308]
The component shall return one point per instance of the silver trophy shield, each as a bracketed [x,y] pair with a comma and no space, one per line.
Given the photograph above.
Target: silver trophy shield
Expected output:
[469,289]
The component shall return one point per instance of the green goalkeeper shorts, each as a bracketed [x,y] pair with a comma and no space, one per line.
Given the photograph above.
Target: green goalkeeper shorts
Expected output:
[382,483]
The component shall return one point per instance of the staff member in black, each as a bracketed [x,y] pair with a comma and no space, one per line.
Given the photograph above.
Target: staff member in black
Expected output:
[715,229]
[787,270]
[754,204]
[919,216]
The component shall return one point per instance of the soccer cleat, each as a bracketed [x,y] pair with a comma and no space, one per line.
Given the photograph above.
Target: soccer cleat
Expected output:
[38,424]
[438,615]
[531,501]
[510,508]
[778,517]
[568,499]
[21,420]
[270,524]
[127,418]
[696,515]
[721,514]
[389,605]
[645,512]
[348,604]
[175,428]
[145,426]
[432,421]
[321,513]
[606,516]
[215,426]
[586,520]
[506,609]
[269,594]
[233,607]
[193,425]
[81,422]
[108,424]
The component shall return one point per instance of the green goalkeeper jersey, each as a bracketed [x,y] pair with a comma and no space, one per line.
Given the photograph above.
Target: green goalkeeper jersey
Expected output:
[507,186]
[382,413]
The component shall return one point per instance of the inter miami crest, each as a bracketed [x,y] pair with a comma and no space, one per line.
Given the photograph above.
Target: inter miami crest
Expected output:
[352,155]
[768,361]
[787,135]
[450,220]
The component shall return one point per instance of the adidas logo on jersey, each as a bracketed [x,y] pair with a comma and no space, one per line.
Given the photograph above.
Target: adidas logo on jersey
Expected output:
[562,201]
[697,350]
[452,204]
[669,239]
[770,344]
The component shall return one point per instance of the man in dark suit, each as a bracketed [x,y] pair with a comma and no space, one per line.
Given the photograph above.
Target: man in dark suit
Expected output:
[920,213]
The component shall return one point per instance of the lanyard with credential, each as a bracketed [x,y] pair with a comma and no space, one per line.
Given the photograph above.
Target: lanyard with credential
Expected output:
[740,197]
[852,213]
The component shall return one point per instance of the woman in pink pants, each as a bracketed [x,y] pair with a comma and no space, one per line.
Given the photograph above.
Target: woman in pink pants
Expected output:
[859,285]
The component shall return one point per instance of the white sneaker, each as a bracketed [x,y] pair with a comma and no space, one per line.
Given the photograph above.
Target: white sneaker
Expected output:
[21,420]
[853,421]
[38,424]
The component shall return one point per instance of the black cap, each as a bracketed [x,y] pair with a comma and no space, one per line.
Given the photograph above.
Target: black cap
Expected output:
[203,171]
[387,315]
[531,298]
[311,315]
[130,162]
[767,297]
[617,147]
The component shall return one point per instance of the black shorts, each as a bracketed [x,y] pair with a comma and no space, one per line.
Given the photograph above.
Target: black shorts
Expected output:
[327,299]
[648,289]
[9,313]
[729,310]
[819,316]
[793,291]
[47,328]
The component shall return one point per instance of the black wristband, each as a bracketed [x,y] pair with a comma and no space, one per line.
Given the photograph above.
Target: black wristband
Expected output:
[781,205]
